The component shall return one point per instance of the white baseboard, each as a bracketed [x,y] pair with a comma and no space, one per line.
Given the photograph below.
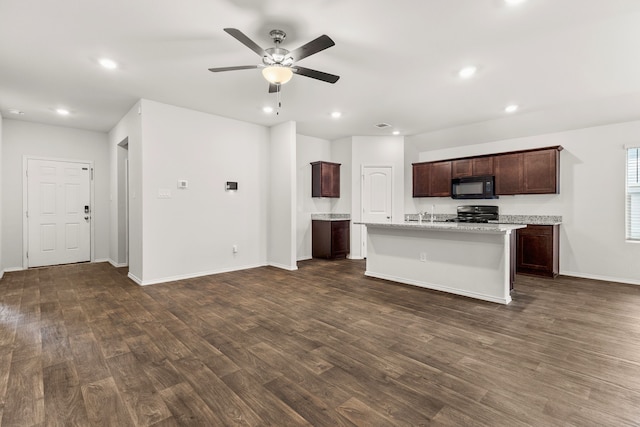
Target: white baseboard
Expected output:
[436,287]
[190,275]
[10,269]
[306,258]
[282,266]
[602,278]
[134,278]
[115,264]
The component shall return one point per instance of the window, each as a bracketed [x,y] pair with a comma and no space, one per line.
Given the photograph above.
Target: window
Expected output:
[633,194]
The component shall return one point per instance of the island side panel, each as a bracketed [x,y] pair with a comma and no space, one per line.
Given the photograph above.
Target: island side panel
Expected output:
[464,263]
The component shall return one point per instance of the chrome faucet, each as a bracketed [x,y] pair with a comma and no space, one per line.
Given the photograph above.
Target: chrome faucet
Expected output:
[421,215]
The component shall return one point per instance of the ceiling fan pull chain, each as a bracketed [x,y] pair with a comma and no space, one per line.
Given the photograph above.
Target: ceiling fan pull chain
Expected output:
[279,100]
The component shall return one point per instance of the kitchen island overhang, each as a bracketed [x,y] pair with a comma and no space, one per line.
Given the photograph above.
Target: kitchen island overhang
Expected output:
[473,260]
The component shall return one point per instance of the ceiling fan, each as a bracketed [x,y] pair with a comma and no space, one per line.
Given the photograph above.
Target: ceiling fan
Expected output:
[278,64]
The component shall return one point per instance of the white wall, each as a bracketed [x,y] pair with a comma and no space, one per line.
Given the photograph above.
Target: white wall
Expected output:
[375,151]
[22,138]
[341,152]
[309,149]
[591,199]
[1,264]
[192,232]
[130,127]
[282,196]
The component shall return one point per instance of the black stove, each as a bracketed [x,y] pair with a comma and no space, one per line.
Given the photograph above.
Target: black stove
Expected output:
[476,214]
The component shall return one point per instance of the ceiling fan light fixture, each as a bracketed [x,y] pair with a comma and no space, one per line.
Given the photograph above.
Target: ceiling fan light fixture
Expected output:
[277,74]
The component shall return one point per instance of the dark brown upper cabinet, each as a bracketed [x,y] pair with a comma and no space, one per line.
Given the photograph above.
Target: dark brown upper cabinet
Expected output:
[528,172]
[440,179]
[534,171]
[461,168]
[325,179]
[541,173]
[482,166]
[476,166]
[432,179]
[421,179]
[508,170]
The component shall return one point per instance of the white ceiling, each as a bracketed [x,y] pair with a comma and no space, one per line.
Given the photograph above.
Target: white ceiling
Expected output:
[567,63]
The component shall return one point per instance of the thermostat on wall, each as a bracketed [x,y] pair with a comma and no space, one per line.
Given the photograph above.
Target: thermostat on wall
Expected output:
[183,183]
[231,186]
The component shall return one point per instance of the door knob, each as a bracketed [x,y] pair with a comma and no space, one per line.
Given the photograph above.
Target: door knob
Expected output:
[86,218]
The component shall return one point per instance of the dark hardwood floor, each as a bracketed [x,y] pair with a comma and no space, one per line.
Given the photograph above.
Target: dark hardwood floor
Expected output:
[324,346]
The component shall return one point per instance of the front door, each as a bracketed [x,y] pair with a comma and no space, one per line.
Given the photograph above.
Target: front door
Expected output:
[58,212]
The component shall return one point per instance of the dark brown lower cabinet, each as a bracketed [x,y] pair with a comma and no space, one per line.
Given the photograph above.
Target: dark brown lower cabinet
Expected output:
[330,239]
[538,250]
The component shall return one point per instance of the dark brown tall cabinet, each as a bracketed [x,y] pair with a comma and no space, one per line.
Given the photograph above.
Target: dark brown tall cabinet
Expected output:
[325,179]
[538,250]
[330,238]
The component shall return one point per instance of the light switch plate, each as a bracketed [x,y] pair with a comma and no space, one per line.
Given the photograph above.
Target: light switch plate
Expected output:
[183,184]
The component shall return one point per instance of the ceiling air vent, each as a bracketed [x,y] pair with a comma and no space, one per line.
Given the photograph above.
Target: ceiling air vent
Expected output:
[383,125]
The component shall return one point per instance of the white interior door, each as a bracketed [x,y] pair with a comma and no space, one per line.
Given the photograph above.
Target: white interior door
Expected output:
[58,212]
[377,194]
[377,198]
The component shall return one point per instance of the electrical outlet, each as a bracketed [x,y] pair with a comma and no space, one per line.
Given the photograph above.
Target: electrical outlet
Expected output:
[235,249]
[423,257]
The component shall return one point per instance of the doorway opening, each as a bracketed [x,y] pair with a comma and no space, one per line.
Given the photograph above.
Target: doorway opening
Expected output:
[123,203]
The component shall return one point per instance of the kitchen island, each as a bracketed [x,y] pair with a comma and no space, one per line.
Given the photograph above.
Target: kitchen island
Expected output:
[474,260]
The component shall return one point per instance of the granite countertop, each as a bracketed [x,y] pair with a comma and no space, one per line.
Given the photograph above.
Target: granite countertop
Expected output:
[530,219]
[448,226]
[502,219]
[330,217]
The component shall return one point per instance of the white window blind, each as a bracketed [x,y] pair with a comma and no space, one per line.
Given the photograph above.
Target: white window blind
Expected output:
[633,194]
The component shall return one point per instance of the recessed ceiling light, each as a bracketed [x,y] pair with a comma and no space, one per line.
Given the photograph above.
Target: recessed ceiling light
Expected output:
[396,132]
[467,72]
[511,108]
[62,111]
[16,111]
[336,114]
[108,63]
[514,2]
[382,125]
[267,109]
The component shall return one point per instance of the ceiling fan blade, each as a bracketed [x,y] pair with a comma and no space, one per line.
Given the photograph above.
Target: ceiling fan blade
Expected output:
[273,88]
[315,74]
[314,46]
[239,67]
[242,38]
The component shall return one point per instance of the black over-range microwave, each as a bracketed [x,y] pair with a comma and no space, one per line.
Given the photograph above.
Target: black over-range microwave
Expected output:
[473,187]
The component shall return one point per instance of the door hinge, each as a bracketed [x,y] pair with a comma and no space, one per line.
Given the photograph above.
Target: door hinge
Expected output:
[26,214]
[27,254]
[91,174]
[26,173]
